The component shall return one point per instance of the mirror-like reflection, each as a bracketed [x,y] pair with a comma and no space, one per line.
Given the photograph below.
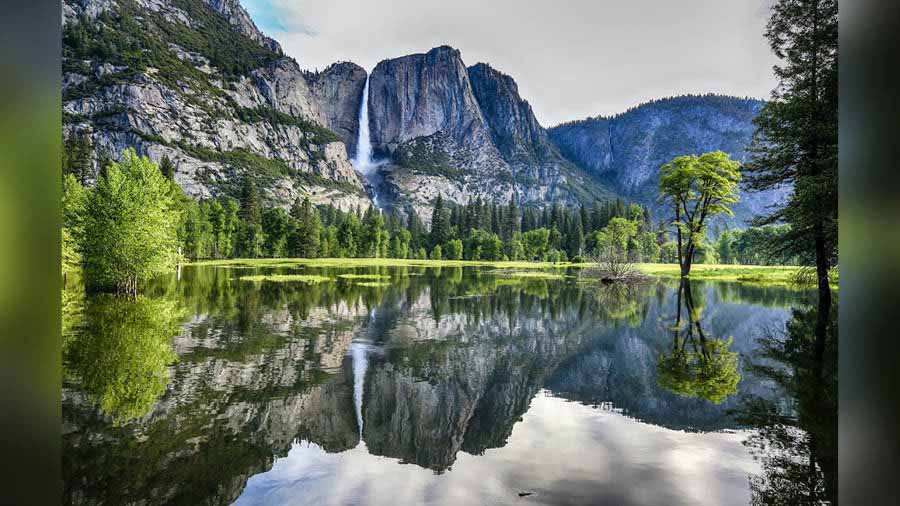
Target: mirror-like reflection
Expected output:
[490,385]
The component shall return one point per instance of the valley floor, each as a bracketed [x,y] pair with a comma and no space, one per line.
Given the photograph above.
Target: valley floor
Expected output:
[785,275]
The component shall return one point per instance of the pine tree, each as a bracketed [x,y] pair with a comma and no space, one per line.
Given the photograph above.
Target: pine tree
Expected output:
[440,223]
[796,142]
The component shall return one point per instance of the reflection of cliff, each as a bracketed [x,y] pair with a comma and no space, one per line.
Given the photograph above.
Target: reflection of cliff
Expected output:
[231,404]
[465,387]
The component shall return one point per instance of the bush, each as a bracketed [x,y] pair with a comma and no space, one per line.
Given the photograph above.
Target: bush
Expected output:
[436,253]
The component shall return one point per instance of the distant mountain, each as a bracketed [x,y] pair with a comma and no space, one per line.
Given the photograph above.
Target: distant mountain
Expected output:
[625,151]
[464,132]
[196,81]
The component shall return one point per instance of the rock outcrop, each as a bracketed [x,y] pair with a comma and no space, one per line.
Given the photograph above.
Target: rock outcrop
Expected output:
[218,115]
[444,129]
[627,150]
[338,90]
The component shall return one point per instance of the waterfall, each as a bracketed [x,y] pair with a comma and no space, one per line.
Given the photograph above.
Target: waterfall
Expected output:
[363,162]
[358,354]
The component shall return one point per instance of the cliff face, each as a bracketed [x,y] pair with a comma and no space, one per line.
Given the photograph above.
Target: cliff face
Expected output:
[196,81]
[626,151]
[463,132]
[338,91]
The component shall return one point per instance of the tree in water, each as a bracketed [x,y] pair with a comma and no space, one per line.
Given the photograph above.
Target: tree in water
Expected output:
[697,188]
[129,229]
[708,369]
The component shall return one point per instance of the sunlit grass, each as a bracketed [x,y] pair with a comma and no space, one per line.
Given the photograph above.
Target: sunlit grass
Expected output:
[762,274]
[373,262]
[310,279]
[513,274]
[373,284]
[371,277]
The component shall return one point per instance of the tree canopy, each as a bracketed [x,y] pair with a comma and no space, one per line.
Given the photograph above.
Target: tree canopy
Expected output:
[696,188]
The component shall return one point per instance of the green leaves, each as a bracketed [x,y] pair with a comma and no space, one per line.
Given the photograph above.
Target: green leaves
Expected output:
[129,225]
[698,187]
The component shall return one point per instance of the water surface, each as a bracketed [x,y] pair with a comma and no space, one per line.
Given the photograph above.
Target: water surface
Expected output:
[413,385]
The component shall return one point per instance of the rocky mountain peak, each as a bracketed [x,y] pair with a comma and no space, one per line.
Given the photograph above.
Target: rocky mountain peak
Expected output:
[235,13]
[420,95]
[514,128]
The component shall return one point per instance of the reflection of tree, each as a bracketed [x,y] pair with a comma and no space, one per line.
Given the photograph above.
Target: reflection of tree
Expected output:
[120,357]
[708,369]
[798,450]
[622,302]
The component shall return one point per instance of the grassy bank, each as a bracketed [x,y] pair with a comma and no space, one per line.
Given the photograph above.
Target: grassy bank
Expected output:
[785,275]
[375,262]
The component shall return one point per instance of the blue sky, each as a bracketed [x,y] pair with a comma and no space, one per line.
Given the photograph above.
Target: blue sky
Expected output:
[571,59]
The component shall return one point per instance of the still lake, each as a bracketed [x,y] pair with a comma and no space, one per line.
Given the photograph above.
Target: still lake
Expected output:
[445,385]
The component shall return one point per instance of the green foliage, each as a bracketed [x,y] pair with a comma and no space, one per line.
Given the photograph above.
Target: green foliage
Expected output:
[796,143]
[696,188]
[129,226]
[421,156]
[710,373]
[454,250]
[121,357]
[436,253]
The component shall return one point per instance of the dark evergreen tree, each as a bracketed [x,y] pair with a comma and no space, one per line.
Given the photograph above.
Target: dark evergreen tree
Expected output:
[796,143]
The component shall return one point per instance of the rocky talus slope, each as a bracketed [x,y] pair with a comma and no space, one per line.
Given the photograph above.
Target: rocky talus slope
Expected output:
[196,81]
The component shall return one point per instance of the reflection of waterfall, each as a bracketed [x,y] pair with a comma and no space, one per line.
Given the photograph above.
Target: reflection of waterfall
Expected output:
[363,162]
[358,353]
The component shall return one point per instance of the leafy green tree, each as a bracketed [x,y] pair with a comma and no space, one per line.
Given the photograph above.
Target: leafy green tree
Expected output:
[306,235]
[196,231]
[400,244]
[697,188]
[796,143]
[74,199]
[436,253]
[724,247]
[649,248]
[454,250]
[535,243]
[129,227]
[77,156]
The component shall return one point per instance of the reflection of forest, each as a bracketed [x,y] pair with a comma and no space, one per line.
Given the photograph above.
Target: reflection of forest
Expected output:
[797,447]
[256,366]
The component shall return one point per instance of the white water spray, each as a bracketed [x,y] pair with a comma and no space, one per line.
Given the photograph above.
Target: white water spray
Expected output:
[358,353]
[363,162]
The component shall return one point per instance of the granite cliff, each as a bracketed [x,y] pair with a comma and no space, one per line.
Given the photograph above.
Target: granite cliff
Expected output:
[196,81]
